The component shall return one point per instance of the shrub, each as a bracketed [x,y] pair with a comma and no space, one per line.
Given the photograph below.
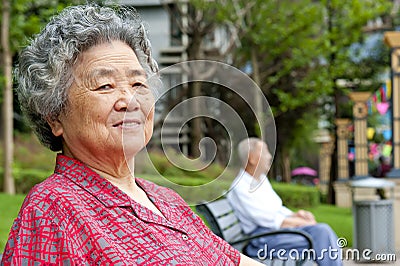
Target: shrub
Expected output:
[32,163]
[157,162]
[25,179]
[30,154]
[297,196]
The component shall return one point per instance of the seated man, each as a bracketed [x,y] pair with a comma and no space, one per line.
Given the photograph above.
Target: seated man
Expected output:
[260,209]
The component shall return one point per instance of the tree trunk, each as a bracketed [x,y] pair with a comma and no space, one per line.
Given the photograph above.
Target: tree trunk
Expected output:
[286,176]
[9,186]
[196,132]
[257,96]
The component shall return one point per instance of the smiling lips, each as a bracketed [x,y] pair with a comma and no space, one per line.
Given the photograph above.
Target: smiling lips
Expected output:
[128,124]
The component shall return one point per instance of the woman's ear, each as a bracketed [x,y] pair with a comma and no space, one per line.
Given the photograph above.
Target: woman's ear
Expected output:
[56,126]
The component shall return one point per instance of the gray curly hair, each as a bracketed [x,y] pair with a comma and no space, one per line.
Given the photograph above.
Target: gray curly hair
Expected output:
[45,66]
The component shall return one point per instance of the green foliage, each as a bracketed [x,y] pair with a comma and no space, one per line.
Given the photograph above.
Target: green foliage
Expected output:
[25,179]
[306,150]
[297,196]
[30,154]
[289,54]
[29,17]
[345,22]
[32,164]
[301,58]
[348,57]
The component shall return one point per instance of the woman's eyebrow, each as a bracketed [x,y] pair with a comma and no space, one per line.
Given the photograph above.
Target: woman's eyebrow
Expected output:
[101,72]
[135,72]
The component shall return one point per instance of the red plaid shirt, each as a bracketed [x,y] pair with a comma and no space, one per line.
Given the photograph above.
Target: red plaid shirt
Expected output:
[76,217]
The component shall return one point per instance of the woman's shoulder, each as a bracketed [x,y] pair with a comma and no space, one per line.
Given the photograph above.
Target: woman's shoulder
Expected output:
[45,195]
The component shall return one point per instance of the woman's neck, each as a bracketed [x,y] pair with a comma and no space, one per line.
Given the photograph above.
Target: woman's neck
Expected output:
[128,185]
[124,179]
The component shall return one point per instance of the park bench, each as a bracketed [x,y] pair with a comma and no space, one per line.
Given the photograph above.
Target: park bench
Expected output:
[222,220]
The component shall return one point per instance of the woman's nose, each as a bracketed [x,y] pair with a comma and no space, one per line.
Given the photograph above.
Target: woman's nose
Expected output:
[127,101]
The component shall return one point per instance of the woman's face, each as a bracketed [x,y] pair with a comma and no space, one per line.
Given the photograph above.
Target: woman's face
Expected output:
[110,107]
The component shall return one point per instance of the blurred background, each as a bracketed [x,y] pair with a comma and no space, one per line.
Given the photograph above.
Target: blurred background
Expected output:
[306,56]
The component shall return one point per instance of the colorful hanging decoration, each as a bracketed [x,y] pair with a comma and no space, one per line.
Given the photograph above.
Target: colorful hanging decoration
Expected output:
[370,133]
[380,100]
[374,149]
[380,103]
[387,150]
[352,154]
[387,134]
[382,107]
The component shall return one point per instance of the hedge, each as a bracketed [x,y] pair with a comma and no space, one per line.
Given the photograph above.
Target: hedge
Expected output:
[25,179]
[297,196]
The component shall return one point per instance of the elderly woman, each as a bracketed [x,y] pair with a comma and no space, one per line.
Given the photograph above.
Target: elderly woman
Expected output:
[83,84]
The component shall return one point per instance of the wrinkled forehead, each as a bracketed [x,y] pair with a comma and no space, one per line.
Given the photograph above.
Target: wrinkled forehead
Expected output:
[108,59]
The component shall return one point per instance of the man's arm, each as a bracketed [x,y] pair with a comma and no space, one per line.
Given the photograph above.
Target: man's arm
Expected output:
[297,219]
[305,215]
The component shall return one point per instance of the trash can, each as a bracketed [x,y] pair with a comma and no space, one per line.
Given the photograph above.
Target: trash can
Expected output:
[373,226]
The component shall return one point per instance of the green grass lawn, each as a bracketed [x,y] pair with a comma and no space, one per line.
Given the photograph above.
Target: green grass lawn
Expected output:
[9,207]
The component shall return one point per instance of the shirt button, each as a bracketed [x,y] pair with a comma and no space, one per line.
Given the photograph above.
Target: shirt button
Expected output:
[185,237]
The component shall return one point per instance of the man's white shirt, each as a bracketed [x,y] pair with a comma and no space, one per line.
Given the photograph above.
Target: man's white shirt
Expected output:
[255,203]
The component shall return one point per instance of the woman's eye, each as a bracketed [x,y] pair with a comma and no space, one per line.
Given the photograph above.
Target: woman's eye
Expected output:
[140,88]
[104,87]
[138,84]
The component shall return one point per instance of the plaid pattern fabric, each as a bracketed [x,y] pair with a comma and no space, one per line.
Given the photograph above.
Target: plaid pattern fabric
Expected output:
[76,217]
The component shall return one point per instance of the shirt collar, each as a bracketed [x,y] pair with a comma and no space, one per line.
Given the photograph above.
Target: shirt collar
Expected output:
[249,181]
[92,182]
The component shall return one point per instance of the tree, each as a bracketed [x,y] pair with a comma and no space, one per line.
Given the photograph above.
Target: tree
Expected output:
[285,57]
[297,61]
[345,23]
[26,18]
[345,28]
[9,186]
[197,20]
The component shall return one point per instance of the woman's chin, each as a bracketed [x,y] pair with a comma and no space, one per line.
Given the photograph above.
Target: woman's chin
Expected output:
[131,151]
[132,145]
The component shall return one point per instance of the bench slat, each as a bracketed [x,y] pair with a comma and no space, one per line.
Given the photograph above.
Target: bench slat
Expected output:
[233,233]
[227,221]
[219,207]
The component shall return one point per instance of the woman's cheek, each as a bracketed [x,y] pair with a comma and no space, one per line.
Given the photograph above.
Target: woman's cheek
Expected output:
[148,131]
[146,102]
